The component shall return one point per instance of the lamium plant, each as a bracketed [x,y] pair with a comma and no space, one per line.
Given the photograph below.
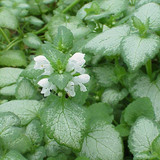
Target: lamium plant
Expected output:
[80,80]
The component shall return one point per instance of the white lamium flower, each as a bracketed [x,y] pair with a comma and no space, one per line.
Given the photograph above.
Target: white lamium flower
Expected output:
[75,63]
[80,80]
[46,87]
[43,64]
[70,89]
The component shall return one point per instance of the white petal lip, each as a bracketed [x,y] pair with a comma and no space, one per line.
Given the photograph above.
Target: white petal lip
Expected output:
[46,86]
[43,64]
[70,89]
[84,78]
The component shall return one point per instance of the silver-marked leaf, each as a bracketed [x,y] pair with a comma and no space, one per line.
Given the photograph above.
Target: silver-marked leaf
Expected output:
[142,2]
[7,19]
[113,96]
[102,142]
[137,51]
[142,134]
[26,110]
[143,87]
[149,11]
[9,76]
[108,42]
[65,123]
[8,90]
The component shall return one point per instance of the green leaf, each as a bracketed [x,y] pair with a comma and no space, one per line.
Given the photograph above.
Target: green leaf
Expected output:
[143,87]
[7,19]
[123,130]
[65,122]
[137,51]
[112,96]
[25,90]
[8,90]
[9,76]
[30,72]
[99,112]
[139,107]
[108,42]
[102,142]
[38,154]
[81,158]
[64,39]
[12,58]
[31,40]
[35,21]
[13,155]
[156,146]
[105,75]
[149,11]
[74,24]
[60,80]
[26,110]
[12,136]
[142,2]
[35,132]
[142,134]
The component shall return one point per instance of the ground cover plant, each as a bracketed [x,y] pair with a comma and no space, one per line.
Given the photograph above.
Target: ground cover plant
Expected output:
[79,80]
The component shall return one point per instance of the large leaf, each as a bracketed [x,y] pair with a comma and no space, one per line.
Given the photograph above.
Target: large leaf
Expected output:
[7,19]
[102,142]
[9,76]
[64,121]
[143,87]
[26,110]
[139,107]
[8,90]
[112,96]
[13,58]
[142,135]
[137,51]
[108,42]
[150,11]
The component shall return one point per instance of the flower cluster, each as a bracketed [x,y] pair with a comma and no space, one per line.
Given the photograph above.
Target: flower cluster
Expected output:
[74,66]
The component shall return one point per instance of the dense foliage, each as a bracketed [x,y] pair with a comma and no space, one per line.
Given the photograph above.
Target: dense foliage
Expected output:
[79,79]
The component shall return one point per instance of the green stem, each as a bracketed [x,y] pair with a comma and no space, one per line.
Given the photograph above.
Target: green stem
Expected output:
[149,69]
[4,35]
[70,6]
[13,44]
[41,30]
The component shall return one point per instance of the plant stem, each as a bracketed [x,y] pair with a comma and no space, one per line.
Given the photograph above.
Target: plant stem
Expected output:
[149,69]
[13,44]
[4,35]
[41,30]
[70,6]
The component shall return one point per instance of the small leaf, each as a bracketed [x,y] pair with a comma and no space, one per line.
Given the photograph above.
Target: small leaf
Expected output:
[149,11]
[35,132]
[102,142]
[156,146]
[31,40]
[13,155]
[139,107]
[106,75]
[12,58]
[108,42]
[35,21]
[142,134]
[65,123]
[64,39]
[137,51]
[25,90]
[60,80]
[123,130]
[7,19]
[26,110]
[9,76]
[113,96]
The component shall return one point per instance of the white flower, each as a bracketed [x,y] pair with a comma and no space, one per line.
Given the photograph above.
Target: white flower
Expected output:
[43,64]
[75,63]
[70,89]
[80,80]
[46,87]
